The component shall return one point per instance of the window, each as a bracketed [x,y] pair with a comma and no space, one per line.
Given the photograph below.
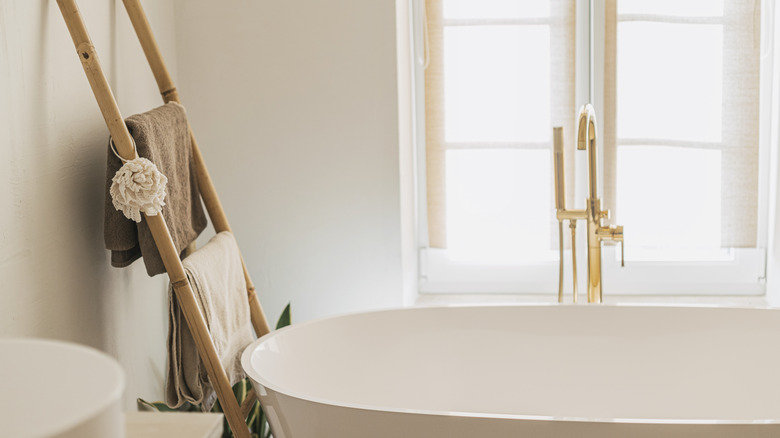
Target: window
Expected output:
[489,108]
[678,90]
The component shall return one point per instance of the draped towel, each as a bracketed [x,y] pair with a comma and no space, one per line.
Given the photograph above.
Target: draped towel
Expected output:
[217,279]
[162,136]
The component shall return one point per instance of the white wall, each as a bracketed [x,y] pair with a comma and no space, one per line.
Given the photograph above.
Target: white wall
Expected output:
[295,106]
[773,249]
[55,276]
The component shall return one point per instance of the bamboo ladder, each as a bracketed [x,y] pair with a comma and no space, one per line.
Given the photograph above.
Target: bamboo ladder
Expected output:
[234,413]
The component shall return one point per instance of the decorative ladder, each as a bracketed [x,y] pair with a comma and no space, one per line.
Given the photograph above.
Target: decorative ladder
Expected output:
[235,414]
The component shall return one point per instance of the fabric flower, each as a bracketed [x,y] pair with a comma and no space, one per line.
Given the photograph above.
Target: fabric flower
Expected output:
[138,187]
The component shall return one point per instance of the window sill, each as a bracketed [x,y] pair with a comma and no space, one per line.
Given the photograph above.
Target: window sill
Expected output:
[424,300]
[742,275]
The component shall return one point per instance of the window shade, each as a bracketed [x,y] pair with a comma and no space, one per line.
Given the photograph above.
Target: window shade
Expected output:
[473,23]
[719,108]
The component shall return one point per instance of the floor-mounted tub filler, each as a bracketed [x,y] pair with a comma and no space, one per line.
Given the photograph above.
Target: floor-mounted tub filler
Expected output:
[549,370]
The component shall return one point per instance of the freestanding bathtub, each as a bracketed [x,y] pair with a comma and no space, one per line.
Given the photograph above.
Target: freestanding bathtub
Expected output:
[530,371]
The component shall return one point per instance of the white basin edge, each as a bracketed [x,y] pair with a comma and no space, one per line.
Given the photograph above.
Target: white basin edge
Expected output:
[101,404]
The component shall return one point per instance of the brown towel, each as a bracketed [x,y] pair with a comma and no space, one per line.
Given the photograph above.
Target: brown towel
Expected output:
[216,276]
[162,136]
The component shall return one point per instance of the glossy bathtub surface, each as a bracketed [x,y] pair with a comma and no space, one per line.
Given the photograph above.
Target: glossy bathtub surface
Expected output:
[58,389]
[567,370]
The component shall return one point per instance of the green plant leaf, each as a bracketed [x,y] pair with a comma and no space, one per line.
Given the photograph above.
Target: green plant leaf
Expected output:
[145,406]
[284,319]
[159,406]
[239,390]
[259,417]
[264,428]
[250,420]
[226,432]
[256,421]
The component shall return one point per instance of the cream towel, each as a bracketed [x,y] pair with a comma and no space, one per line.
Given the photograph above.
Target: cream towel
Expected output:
[217,279]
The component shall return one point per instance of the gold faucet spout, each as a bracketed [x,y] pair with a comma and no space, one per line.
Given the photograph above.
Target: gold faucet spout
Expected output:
[586,126]
[586,141]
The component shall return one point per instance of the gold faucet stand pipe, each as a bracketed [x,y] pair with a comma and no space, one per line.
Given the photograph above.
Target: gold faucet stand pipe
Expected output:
[560,261]
[586,140]
[575,291]
[560,199]
[594,260]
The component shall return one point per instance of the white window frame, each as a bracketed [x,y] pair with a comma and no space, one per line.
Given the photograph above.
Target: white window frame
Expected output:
[731,272]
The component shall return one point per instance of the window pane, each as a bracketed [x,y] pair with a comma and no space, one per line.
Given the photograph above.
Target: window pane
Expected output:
[670,81]
[498,203]
[497,83]
[465,9]
[669,197]
[691,8]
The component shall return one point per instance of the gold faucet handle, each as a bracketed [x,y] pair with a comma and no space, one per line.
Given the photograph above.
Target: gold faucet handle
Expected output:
[617,234]
[605,214]
[613,233]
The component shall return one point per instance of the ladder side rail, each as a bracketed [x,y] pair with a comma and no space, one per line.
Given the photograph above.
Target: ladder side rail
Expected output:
[208,192]
[157,225]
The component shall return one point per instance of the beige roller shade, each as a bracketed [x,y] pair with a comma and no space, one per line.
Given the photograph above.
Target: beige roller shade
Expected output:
[738,137]
[561,23]
[434,126]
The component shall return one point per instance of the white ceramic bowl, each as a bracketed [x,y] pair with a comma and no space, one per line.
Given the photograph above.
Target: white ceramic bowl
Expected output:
[58,389]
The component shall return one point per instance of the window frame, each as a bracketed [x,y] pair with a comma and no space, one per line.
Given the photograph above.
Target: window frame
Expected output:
[741,272]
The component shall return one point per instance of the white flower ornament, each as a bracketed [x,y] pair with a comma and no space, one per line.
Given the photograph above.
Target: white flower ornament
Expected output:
[138,187]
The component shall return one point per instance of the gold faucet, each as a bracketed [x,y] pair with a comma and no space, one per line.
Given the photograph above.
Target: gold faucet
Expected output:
[593,214]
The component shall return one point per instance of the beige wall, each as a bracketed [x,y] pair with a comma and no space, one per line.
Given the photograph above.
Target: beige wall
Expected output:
[55,279]
[295,106]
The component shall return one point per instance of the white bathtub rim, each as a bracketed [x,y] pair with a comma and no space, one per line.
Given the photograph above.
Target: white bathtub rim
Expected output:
[246,362]
[105,402]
